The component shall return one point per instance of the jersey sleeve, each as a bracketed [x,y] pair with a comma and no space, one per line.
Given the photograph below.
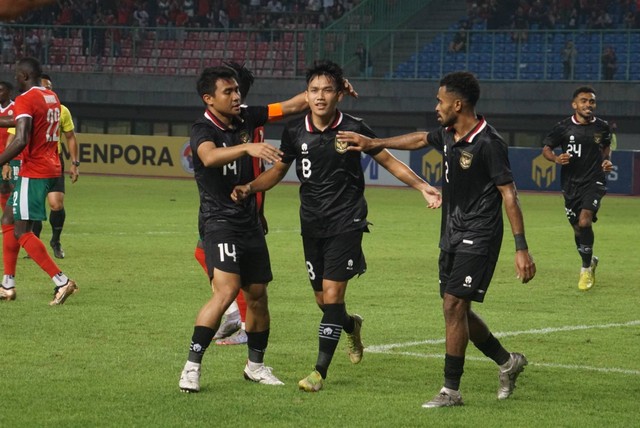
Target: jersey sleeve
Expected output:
[496,157]
[287,146]
[259,115]
[66,121]
[436,139]
[554,138]
[606,135]
[368,132]
[22,108]
[199,134]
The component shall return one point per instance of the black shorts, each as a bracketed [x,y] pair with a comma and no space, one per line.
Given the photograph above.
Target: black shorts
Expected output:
[58,186]
[337,258]
[466,275]
[586,198]
[241,252]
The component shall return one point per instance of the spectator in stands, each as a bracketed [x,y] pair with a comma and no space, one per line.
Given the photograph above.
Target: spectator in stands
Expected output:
[32,42]
[459,42]
[366,64]
[140,15]
[234,11]
[609,63]
[520,26]
[569,55]
[189,7]
[8,49]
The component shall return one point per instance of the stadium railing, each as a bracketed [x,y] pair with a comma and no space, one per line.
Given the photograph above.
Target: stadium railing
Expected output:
[492,55]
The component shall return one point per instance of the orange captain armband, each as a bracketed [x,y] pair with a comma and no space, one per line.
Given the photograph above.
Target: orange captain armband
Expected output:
[275,111]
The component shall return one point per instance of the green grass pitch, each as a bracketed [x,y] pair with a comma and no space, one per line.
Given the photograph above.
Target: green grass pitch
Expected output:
[112,355]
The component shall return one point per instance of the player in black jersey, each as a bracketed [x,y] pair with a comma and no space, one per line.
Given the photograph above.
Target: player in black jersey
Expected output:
[585,141]
[235,248]
[477,181]
[333,210]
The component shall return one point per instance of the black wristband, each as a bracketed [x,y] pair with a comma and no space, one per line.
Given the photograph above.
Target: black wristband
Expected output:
[521,242]
[75,163]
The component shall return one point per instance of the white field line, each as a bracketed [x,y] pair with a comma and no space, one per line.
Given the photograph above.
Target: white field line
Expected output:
[390,349]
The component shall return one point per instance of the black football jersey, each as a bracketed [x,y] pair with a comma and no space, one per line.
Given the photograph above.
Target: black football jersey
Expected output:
[331,178]
[585,143]
[471,202]
[216,184]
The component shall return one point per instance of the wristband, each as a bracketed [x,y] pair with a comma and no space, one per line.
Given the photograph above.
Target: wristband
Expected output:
[521,242]
[75,163]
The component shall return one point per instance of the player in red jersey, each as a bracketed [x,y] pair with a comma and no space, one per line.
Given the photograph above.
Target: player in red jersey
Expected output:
[36,118]
[6,110]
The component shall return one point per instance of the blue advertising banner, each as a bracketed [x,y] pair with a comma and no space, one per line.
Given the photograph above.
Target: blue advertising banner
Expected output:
[531,170]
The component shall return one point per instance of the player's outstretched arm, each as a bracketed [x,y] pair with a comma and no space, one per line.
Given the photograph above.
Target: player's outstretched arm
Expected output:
[19,142]
[405,174]
[262,183]
[7,122]
[72,144]
[524,264]
[215,157]
[361,143]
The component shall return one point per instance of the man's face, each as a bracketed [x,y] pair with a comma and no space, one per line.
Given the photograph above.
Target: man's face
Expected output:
[584,105]
[322,96]
[47,84]
[448,107]
[4,94]
[226,98]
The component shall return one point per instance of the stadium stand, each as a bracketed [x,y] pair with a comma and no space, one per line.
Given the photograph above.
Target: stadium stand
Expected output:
[279,41]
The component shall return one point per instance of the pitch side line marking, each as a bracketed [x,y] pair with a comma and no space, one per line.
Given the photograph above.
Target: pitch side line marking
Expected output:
[388,349]
[547,330]
[554,366]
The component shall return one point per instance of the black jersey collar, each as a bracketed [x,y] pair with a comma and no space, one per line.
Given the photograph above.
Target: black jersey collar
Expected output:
[575,122]
[217,122]
[475,131]
[309,123]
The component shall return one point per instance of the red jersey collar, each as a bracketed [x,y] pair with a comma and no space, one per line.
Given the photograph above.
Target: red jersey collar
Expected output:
[309,123]
[475,131]
[575,121]
[217,122]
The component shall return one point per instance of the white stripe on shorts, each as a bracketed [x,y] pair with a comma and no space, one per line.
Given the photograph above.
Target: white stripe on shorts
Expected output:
[24,199]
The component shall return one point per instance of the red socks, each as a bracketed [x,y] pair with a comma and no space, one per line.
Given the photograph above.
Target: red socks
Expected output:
[38,252]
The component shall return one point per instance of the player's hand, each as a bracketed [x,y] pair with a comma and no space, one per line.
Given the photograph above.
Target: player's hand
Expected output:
[240,193]
[607,166]
[432,196]
[7,172]
[525,266]
[563,159]
[265,225]
[74,173]
[349,89]
[357,142]
[264,151]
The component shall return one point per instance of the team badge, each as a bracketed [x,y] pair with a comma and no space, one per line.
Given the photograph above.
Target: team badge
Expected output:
[465,160]
[341,146]
[244,137]
[597,138]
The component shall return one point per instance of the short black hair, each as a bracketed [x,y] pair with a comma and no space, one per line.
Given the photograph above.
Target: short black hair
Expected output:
[210,75]
[326,68]
[31,66]
[245,77]
[582,89]
[464,84]
[46,76]
[7,85]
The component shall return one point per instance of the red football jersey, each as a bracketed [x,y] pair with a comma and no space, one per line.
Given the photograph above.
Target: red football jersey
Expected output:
[40,157]
[7,111]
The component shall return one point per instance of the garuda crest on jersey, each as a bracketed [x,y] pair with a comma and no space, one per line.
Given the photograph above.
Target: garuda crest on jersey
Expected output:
[244,137]
[341,146]
[465,160]
[597,138]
